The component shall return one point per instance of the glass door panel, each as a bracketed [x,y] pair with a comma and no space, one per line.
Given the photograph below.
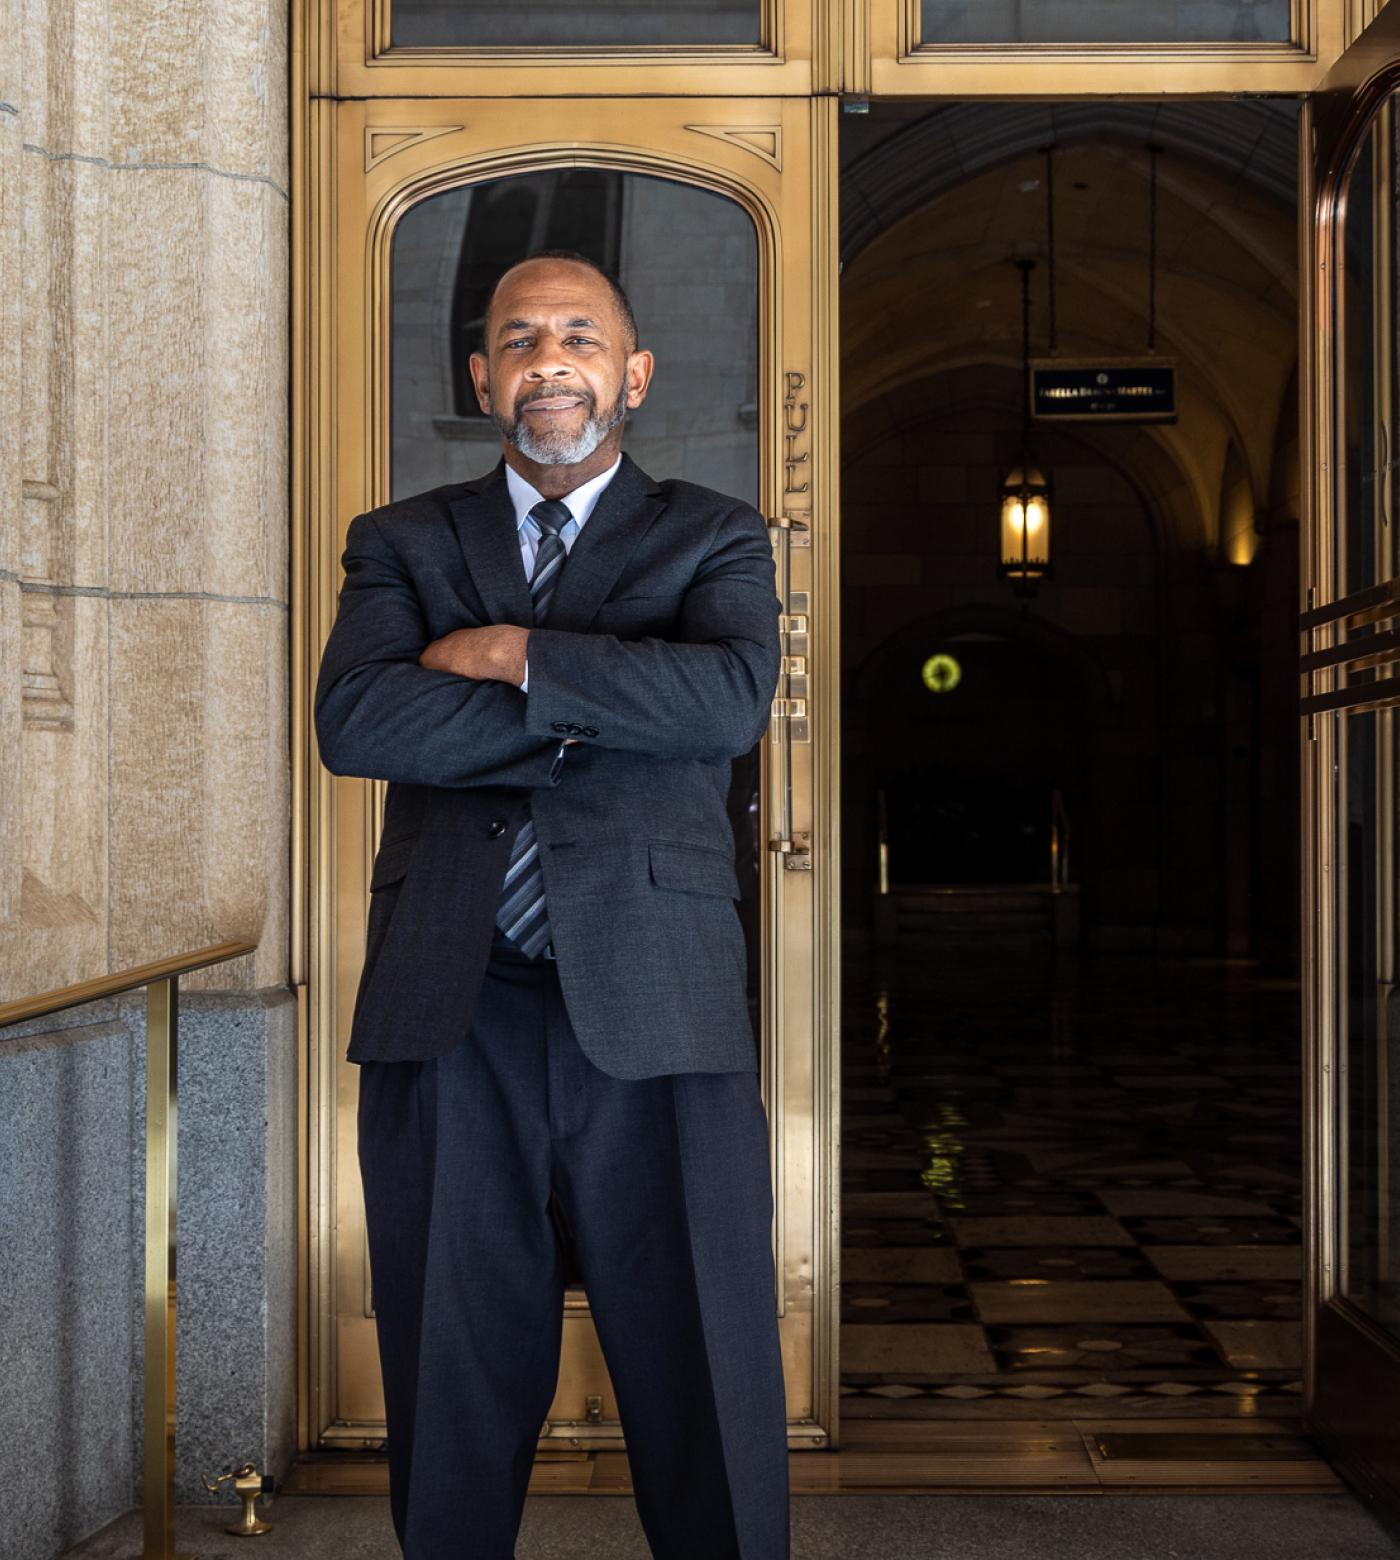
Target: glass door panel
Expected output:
[1083,48]
[1351,694]
[631,24]
[1106,21]
[717,216]
[688,258]
[1368,1028]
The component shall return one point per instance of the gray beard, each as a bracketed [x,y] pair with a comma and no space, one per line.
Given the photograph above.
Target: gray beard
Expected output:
[548,448]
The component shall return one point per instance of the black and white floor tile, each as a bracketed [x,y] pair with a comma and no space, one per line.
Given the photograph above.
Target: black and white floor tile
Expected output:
[1070,1186]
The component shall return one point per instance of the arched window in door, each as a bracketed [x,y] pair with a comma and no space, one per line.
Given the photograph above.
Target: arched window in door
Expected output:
[688,258]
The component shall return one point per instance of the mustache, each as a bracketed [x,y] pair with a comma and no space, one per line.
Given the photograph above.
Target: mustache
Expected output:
[590,401]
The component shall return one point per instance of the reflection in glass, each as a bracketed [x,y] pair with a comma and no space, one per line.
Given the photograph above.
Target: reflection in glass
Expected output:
[576,208]
[1368,749]
[627,24]
[688,260]
[1106,21]
[1369,1013]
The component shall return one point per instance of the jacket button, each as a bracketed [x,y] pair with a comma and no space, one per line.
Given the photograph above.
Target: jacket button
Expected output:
[590,731]
[496,827]
[561,725]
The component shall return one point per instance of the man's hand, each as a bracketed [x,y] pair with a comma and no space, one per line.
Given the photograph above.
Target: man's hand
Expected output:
[495,653]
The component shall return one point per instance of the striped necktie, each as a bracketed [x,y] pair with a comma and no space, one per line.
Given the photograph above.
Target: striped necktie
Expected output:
[522,915]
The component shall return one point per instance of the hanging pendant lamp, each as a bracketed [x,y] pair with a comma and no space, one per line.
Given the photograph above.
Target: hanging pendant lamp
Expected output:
[1025,492]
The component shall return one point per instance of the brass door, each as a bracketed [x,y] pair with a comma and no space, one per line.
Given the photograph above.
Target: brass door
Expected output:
[1351,758]
[717,212]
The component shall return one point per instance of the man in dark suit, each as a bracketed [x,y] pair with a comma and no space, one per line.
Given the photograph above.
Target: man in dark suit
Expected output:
[554,667]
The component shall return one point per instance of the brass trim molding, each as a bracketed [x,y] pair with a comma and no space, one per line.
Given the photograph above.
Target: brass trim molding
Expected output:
[371,162]
[1345,1363]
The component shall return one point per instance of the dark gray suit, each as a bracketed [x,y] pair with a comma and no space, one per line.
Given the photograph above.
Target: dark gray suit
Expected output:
[599,1110]
[660,659]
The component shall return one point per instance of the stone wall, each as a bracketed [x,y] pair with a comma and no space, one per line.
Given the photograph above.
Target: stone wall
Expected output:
[144,803]
[143,487]
[72,1254]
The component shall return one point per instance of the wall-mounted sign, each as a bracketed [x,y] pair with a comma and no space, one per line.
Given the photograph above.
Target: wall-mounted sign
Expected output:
[1123,390]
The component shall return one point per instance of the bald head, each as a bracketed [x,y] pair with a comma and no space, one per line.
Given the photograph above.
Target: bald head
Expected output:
[555,267]
[560,368]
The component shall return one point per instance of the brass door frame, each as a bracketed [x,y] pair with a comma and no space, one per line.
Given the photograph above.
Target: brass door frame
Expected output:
[1350,1364]
[856,47]
[814,47]
[776,158]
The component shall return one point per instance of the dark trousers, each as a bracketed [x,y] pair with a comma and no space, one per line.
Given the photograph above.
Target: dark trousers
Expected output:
[663,1184]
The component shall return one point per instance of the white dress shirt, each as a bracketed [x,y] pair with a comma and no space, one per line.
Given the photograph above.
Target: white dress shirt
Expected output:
[579,504]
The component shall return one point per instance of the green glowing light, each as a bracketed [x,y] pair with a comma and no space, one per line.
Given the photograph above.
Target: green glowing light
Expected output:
[941,673]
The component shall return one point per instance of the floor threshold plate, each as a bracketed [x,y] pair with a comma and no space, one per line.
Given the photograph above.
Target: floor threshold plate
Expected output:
[1139,1446]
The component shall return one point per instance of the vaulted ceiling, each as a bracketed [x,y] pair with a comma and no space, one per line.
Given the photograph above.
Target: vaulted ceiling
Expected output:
[937,207]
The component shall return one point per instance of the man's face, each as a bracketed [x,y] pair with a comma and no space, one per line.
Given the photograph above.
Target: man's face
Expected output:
[557,377]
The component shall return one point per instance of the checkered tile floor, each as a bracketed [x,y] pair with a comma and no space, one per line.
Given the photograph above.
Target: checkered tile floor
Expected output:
[1069,1185]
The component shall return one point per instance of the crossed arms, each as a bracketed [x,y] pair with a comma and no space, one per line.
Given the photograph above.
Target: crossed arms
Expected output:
[393,704]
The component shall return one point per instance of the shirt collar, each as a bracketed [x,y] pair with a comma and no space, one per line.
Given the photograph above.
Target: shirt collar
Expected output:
[580,502]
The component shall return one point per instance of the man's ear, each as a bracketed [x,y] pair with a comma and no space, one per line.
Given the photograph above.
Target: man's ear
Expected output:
[481,380]
[638,377]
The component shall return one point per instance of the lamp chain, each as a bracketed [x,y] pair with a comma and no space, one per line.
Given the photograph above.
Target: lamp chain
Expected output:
[1050,242]
[1152,153]
[1026,267]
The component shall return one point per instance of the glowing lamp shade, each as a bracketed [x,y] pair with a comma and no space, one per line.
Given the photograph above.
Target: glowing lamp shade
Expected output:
[1025,524]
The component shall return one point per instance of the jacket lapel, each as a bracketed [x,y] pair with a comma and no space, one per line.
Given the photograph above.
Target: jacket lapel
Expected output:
[623,514]
[484,519]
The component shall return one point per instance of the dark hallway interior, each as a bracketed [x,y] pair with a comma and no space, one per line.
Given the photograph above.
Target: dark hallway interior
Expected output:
[1072,1063]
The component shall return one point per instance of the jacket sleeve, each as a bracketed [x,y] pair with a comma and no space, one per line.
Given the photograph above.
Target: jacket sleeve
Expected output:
[381,715]
[705,693]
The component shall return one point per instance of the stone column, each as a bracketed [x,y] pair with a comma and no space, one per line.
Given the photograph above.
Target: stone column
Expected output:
[144,805]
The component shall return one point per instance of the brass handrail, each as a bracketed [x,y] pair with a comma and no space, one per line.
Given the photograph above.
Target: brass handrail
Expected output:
[124,980]
[161,980]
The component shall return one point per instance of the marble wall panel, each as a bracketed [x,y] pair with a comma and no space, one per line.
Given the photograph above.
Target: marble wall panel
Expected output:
[11,315]
[71,455]
[72,1108]
[203,82]
[197,376]
[143,256]
[199,782]
[11,819]
[163,81]
[70,1231]
[61,931]
[63,67]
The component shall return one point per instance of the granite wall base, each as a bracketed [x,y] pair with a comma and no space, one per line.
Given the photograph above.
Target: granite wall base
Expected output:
[72,1210]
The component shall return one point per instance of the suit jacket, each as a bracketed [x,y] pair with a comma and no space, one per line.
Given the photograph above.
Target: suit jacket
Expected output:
[660,657]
